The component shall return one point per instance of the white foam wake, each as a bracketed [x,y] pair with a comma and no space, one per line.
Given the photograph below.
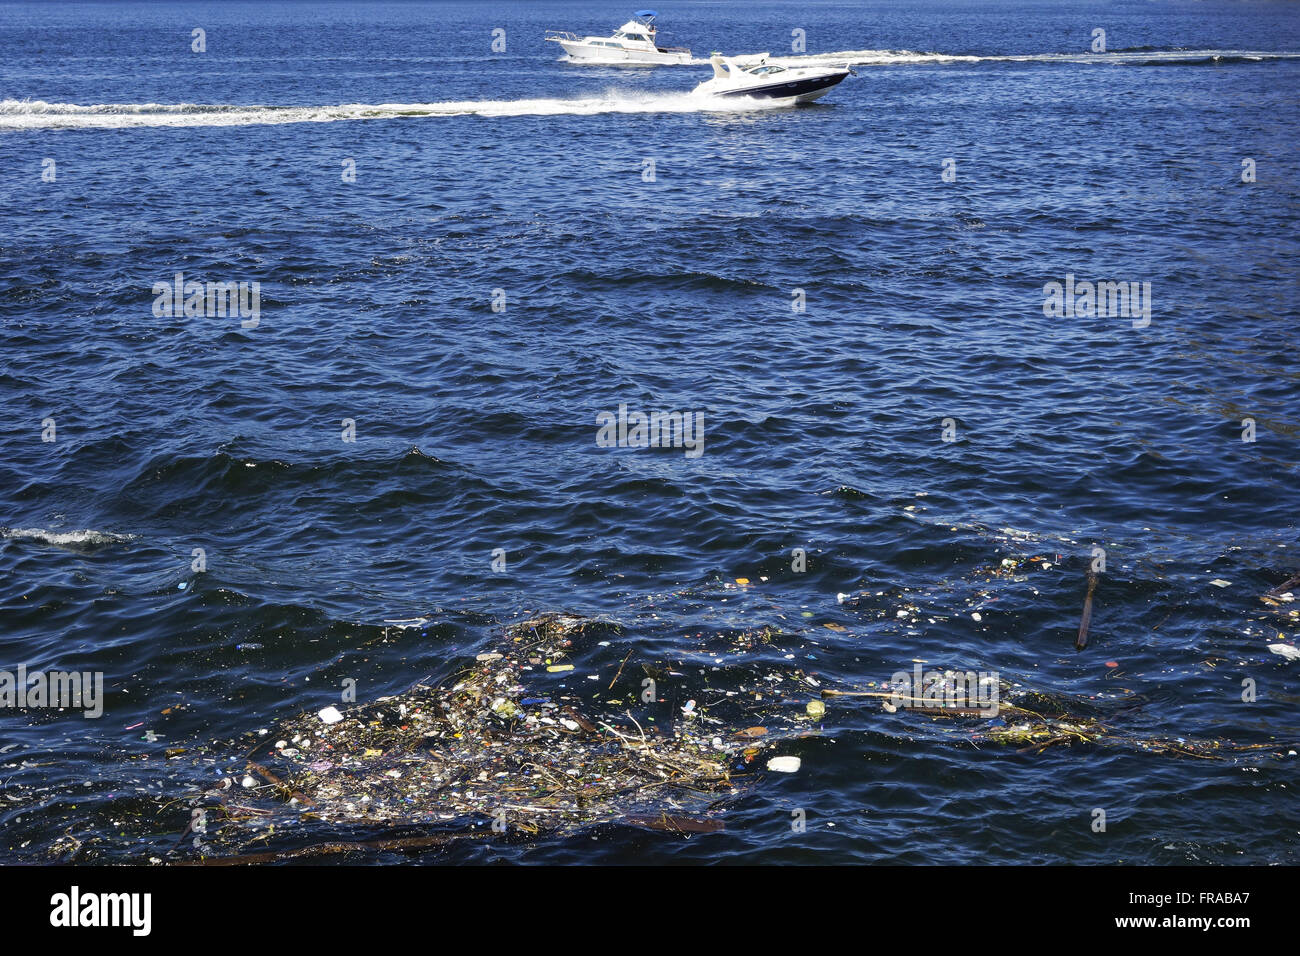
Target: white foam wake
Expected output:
[907,57]
[37,114]
[65,538]
[1119,58]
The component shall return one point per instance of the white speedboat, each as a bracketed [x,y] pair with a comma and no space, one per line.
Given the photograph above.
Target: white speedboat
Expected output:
[754,77]
[632,43]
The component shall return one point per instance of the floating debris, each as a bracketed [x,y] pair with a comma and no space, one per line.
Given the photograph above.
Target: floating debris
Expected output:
[1281,591]
[1034,720]
[484,749]
[1081,639]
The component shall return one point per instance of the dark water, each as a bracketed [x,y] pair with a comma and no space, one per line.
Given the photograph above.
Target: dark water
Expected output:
[476,430]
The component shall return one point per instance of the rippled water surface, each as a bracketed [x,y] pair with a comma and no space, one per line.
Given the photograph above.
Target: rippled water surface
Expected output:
[528,244]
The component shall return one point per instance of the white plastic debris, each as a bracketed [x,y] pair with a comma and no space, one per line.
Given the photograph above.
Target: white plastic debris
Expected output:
[330,715]
[976,616]
[1290,652]
[785,764]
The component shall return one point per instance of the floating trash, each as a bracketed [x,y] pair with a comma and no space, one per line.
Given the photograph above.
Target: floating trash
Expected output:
[478,755]
[1035,720]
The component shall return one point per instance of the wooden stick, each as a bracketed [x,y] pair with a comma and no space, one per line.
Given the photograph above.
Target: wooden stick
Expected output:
[1283,587]
[620,670]
[1081,641]
[277,782]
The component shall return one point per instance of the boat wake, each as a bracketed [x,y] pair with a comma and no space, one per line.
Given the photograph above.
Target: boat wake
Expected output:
[1136,57]
[37,114]
[85,538]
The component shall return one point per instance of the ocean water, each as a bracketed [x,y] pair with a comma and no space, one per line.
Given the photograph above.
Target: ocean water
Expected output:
[464,257]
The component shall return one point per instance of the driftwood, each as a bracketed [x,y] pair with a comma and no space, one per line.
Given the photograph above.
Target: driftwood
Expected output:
[1081,641]
[1282,588]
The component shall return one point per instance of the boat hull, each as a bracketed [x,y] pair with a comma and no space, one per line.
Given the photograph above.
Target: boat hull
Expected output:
[803,90]
[581,52]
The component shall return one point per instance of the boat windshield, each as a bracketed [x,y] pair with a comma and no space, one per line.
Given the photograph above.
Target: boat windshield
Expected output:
[761,70]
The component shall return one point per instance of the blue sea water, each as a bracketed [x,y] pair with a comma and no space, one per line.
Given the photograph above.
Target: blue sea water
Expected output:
[837,290]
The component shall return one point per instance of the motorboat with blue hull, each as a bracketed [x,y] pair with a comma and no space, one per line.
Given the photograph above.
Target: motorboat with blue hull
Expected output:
[756,77]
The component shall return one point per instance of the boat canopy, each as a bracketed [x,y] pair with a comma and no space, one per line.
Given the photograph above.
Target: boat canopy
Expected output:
[646,13]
